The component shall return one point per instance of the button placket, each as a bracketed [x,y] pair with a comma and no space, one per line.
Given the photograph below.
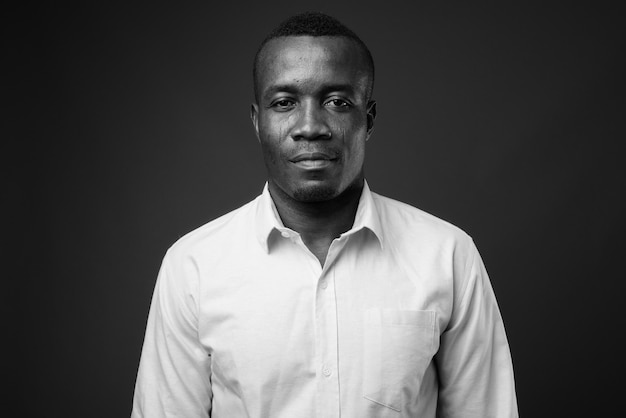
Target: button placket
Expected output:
[326,343]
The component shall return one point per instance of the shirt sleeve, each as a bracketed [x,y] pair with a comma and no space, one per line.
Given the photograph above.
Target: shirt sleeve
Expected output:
[474,361]
[174,371]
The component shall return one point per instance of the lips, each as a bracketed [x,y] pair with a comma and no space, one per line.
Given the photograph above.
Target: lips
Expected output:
[311,156]
[313,160]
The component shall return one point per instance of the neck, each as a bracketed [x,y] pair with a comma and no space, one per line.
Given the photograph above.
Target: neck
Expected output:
[318,223]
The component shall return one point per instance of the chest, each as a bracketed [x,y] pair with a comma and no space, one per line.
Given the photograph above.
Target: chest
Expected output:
[277,313]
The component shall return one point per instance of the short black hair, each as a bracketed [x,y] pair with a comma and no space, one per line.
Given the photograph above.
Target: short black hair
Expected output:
[314,24]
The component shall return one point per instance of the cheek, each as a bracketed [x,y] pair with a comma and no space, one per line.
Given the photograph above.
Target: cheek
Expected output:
[272,137]
[355,125]
[355,136]
[274,128]
[358,154]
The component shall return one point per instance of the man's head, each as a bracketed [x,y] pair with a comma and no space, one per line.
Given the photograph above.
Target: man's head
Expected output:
[313,83]
[313,24]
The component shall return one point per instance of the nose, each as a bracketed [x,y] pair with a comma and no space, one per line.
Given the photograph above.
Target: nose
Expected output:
[311,123]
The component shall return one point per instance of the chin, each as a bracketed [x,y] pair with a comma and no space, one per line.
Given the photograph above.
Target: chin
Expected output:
[312,194]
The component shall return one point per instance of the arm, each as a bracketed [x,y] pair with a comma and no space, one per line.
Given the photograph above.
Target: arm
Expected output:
[474,361]
[174,371]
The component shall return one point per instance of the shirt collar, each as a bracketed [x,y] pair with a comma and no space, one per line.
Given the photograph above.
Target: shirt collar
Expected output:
[268,221]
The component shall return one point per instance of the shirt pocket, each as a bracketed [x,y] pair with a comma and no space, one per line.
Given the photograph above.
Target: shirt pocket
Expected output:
[398,347]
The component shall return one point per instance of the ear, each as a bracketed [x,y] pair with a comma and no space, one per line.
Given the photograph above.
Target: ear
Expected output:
[371,116]
[254,116]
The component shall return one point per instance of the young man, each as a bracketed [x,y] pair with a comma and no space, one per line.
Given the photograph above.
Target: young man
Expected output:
[321,298]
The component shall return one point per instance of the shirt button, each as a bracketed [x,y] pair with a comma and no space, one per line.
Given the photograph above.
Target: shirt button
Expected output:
[285,234]
[327,372]
[324,284]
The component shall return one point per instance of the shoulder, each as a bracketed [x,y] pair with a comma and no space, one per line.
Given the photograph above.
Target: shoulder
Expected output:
[213,235]
[403,221]
[428,245]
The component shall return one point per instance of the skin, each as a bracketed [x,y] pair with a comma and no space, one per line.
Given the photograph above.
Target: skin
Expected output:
[313,117]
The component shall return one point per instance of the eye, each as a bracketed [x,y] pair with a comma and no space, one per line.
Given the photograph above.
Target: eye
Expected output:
[283,104]
[337,103]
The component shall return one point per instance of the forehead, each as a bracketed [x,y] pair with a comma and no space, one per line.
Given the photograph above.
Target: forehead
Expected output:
[312,61]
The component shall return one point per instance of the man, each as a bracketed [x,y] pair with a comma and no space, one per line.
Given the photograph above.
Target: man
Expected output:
[321,298]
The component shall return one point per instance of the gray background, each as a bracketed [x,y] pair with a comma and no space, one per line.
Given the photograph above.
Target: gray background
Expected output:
[130,127]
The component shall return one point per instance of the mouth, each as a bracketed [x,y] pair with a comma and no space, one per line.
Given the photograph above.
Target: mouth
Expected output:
[313,160]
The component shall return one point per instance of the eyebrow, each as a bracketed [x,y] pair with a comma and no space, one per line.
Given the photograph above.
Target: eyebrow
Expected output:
[292,89]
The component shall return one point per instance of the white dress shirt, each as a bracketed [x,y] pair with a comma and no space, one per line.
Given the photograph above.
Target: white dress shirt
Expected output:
[400,322]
